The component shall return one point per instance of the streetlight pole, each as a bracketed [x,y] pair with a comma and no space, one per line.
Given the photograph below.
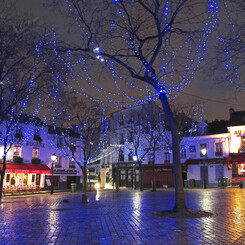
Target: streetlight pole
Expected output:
[135,159]
[53,158]
[204,153]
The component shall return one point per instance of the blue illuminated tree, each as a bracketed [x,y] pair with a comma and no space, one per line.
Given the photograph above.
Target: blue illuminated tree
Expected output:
[86,120]
[229,58]
[27,74]
[152,48]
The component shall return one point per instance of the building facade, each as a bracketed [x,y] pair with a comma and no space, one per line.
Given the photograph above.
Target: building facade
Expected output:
[29,161]
[222,163]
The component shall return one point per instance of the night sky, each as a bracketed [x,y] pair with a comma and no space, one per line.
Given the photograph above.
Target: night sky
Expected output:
[215,93]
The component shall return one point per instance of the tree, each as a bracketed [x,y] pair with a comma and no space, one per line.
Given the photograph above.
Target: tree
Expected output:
[88,121]
[229,58]
[154,132]
[135,133]
[26,76]
[155,43]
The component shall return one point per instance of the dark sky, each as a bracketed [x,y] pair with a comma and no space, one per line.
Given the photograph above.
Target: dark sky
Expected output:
[216,94]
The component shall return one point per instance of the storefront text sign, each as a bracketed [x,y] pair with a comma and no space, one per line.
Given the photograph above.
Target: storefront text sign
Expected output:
[65,171]
[239,132]
[31,143]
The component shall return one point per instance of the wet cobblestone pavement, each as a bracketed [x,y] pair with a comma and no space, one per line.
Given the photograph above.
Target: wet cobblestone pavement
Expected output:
[122,218]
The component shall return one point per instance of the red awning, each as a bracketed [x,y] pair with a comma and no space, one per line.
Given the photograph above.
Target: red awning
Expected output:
[26,168]
[236,158]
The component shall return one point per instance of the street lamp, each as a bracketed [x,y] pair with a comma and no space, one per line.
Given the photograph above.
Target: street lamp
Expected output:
[204,153]
[135,159]
[53,158]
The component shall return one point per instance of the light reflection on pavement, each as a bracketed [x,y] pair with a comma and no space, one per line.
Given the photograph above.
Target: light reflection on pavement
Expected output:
[123,217]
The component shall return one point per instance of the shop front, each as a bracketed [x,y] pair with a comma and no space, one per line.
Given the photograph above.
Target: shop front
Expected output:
[63,178]
[24,176]
[129,174]
[236,162]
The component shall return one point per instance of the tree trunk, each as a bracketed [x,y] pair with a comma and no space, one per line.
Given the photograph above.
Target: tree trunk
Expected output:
[153,173]
[141,176]
[2,175]
[180,204]
[84,188]
[135,187]
[117,176]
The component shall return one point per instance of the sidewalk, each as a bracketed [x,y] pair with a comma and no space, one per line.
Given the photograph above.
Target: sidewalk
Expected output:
[122,218]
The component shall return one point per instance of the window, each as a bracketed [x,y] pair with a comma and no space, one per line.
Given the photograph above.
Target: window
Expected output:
[37,136]
[218,149]
[182,151]
[242,143]
[33,178]
[35,153]
[219,171]
[130,138]
[58,162]
[166,157]
[130,156]
[37,132]
[59,142]
[192,148]
[203,146]
[17,151]
[121,155]
[121,139]
[18,133]
[8,178]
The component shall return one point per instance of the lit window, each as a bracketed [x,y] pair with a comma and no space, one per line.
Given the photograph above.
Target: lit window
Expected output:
[35,153]
[243,143]
[17,151]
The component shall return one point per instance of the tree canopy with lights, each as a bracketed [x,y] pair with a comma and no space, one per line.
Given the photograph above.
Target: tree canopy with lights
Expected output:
[151,50]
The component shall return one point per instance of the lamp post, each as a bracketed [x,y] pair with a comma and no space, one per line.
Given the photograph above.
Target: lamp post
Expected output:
[53,158]
[135,159]
[204,153]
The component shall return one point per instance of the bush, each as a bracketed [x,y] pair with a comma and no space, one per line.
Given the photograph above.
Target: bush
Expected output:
[17,159]
[35,161]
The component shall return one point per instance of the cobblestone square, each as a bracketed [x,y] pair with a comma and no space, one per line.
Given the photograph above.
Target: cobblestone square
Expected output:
[122,218]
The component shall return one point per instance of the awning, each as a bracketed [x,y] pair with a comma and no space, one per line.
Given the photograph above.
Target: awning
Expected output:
[236,158]
[207,161]
[26,168]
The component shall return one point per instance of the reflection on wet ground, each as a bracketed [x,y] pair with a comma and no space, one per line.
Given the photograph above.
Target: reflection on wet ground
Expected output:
[123,217]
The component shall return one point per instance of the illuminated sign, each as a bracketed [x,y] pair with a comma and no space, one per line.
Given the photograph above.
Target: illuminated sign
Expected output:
[26,171]
[239,132]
